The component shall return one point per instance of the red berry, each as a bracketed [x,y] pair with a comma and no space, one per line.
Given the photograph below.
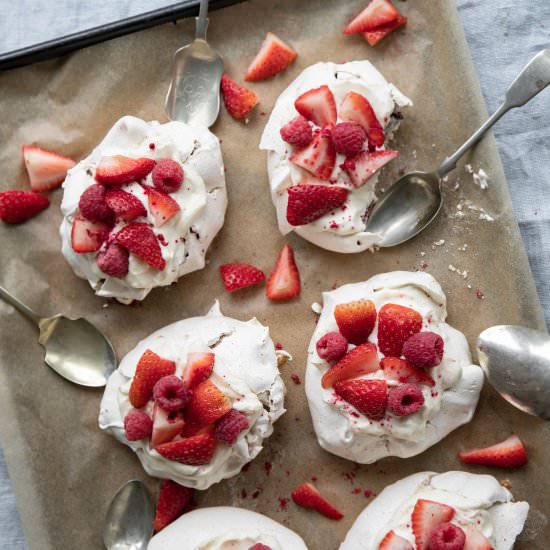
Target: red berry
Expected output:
[140,239]
[260,546]
[405,399]
[348,138]
[19,206]
[356,320]
[424,349]
[229,426]
[240,275]
[93,206]
[172,503]
[297,132]
[137,425]
[171,393]
[332,346]
[396,324]
[447,536]
[150,369]
[113,261]
[126,206]
[307,203]
[167,175]
[238,100]
[369,397]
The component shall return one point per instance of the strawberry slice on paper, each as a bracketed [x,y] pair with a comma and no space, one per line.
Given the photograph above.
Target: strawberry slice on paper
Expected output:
[307,496]
[120,169]
[364,165]
[378,13]
[373,37]
[359,361]
[19,206]
[240,275]
[284,282]
[317,105]
[274,56]
[319,157]
[174,499]
[509,453]
[46,169]
[238,100]
[357,108]
[87,236]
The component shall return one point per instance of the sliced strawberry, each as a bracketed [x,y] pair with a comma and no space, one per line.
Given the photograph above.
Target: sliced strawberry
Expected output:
[207,404]
[307,496]
[317,105]
[396,324]
[284,282]
[166,425]
[87,236]
[369,397]
[46,169]
[356,320]
[404,372]
[139,239]
[364,165]
[426,516]
[172,503]
[373,37]
[162,206]
[121,169]
[319,157]
[377,14]
[356,108]
[359,361]
[126,206]
[307,203]
[392,541]
[273,57]
[475,540]
[199,367]
[195,450]
[509,453]
[238,100]
[240,275]
[19,206]
[149,370]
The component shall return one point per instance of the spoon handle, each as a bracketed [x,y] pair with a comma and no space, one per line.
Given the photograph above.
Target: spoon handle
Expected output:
[534,77]
[27,311]
[202,20]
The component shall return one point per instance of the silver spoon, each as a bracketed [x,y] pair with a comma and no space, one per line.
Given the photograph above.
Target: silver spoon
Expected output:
[516,361]
[194,93]
[129,520]
[75,348]
[414,201]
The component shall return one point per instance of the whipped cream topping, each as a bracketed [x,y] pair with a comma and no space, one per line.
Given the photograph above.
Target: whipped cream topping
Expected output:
[450,403]
[245,370]
[343,229]
[225,528]
[479,501]
[185,238]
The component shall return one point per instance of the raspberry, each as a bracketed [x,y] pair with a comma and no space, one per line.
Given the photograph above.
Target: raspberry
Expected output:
[297,132]
[137,425]
[93,206]
[348,138]
[260,546]
[447,536]
[405,399]
[113,261]
[332,346]
[171,393]
[424,349]
[167,176]
[230,426]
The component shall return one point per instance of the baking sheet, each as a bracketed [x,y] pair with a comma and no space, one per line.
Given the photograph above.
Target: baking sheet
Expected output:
[63,469]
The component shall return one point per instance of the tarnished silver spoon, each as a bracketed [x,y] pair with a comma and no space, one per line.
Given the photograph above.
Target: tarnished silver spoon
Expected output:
[129,520]
[415,200]
[75,348]
[194,93]
[516,361]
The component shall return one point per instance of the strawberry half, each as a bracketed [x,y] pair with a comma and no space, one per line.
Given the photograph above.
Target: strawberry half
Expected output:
[273,57]
[392,541]
[369,397]
[319,157]
[475,540]
[404,372]
[307,203]
[307,496]
[373,37]
[172,503]
[359,361]
[199,367]
[238,100]
[46,169]
[207,404]
[356,108]
[166,425]
[240,275]
[377,14]
[87,236]
[396,324]
[509,453]
[121,169]
[356,320]
[126,206]
[19,206]
[194,451]
[317,105]
[426,516]
[284,282]
[139,239]
[162,206]
[364,165]
[149,370]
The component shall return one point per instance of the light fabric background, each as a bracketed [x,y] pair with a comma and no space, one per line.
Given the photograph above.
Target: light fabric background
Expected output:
[503,35]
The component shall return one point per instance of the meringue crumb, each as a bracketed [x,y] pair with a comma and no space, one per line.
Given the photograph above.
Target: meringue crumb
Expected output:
[422,253]
[435,244]
[463,274]
[317,308]
[105,305]
[468,168]
[463,248]
[481,179]
[469,286]
[282,357]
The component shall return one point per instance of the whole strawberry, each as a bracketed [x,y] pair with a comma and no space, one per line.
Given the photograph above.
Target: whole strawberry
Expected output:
[396,324]
[19,206]
[356,320]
